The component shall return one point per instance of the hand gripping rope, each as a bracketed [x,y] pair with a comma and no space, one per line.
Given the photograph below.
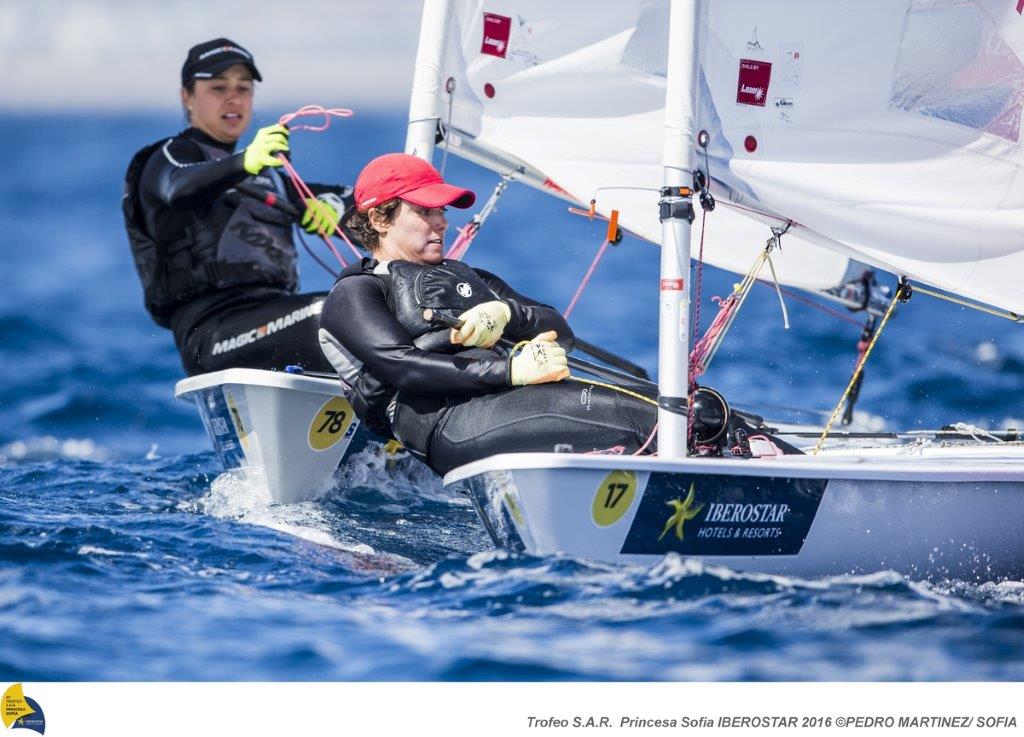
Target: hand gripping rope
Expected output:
[303,189]
[438,318]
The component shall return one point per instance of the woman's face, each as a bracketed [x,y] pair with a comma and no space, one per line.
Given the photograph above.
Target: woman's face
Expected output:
[414,234]
[221,107]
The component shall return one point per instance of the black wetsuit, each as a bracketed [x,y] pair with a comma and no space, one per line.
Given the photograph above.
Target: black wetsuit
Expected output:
[450,405]
[219,268]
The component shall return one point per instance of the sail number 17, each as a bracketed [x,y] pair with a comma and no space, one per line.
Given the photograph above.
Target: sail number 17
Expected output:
[613,497]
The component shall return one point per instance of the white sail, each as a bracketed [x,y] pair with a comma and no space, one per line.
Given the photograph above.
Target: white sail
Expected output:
[576,92]
[887,130]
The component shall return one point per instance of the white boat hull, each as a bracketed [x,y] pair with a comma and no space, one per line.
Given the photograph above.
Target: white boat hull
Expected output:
[288,432]
[936,515]
[933,512]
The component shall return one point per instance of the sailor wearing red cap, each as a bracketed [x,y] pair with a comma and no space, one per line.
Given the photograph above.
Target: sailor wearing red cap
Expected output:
[452,396]
[218,264]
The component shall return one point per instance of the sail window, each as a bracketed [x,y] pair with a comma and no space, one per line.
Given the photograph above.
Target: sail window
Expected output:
[973,77]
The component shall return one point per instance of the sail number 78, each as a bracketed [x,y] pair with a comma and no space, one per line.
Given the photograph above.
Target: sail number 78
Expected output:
[335,418]
[330,423]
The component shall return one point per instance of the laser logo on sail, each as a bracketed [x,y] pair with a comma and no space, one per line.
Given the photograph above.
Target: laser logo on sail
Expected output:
[754,79]
[497,29]
[757,92]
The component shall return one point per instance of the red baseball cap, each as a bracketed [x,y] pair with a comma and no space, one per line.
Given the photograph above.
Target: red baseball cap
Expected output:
[409,178]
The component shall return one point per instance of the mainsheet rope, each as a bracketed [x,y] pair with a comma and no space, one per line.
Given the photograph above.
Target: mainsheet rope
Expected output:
[303,189]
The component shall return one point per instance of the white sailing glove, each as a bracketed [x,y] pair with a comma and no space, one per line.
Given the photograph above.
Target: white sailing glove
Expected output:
[541,360]
[482,325]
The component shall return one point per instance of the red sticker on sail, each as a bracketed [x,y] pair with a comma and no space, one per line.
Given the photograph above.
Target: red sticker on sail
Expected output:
[752,87]
[497,29]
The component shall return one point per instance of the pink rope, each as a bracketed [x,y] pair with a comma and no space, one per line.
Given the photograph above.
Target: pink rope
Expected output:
[462,243]
[310,110]
[586,278]
[650,437]
[306,193]
[329,114]
[700,349]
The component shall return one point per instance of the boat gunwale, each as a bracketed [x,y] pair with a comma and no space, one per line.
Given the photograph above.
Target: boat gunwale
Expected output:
[863,468]
[257,377]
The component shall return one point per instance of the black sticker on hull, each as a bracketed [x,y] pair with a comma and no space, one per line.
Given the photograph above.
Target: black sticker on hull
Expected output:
[723,515]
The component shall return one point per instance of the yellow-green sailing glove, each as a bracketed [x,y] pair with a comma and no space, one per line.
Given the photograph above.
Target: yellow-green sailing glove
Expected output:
[322,214]
[482,325]
[541,360]
[260,153]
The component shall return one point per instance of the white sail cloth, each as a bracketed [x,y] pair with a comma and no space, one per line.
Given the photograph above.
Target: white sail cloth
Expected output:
[887,130]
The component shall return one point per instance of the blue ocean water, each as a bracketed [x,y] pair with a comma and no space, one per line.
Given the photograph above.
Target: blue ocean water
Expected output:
[123,554]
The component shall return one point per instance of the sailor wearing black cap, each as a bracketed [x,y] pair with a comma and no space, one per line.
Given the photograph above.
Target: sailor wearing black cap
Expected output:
[218,267]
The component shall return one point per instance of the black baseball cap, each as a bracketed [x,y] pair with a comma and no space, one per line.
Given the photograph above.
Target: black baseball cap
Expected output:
[209,59]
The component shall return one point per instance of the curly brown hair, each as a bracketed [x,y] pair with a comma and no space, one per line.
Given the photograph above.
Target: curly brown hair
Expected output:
[359,224]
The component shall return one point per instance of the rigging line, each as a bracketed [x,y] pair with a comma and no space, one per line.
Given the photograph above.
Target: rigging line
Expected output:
[897,297]
[450,88]
[748,406]
[586,278]
[463,241]
[699,286]
[792,294]
[316,258]
[622,390]
[469,231]
[778,291]
[656,190]
[707,205]
[613,387]
[767,215]
[306,193]
[705,349]
[328,115]
[973,305]
[309,110]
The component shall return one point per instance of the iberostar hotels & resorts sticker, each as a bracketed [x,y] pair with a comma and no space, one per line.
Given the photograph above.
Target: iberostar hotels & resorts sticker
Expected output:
[21,712]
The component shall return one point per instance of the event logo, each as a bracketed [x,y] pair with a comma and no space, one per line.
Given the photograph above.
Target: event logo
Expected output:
[21,712]
[754,78]
[735,515]
[497,29]
[684,512]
